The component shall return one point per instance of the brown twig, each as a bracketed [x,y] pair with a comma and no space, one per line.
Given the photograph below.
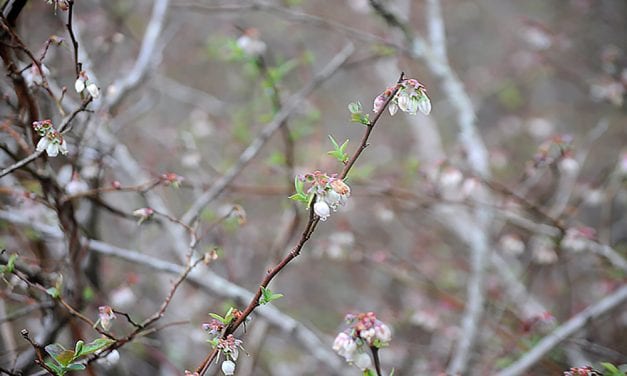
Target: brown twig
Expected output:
[305,236]
[77,64]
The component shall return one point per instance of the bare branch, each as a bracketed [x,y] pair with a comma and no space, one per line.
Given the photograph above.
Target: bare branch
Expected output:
[569,328]
[148,56]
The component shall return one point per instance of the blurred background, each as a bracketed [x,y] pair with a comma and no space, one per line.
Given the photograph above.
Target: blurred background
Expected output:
[495,219]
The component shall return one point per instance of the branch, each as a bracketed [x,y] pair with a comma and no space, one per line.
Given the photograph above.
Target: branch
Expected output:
[437,33]
[208,282]
[564,331]
[305,236]
[147,58]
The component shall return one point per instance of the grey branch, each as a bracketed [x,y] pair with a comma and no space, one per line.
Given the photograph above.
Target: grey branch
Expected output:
[149,55]
[564,331]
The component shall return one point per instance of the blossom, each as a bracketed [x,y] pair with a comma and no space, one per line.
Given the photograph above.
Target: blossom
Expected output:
[577,239]
[106,315]
[512,244]
[228,367]
[170,178]
[76,185]
[42,127]
[250,43]
[345,346]
[331,192]
[383,333]
[411,97]
[93,90]
[580,371]
[35,76]
[83,82]
[143,214]
[53,143]
[322,210]
[379,102]
[213,327]
[230,346]
[362,361]
[365,332]
[112,358]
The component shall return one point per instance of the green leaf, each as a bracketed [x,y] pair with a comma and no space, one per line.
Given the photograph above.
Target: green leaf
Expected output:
[392,373]
[75,367]
[64,358]
[268,296]
[10,266]
[78,348]
[229,316]
[217,317]
[369,372]
[53,292]
[58,370]
[335,145]
[96,345]
[355,108]
[611,369]
[343,147]
[54,349]
[299,197]
[299,185]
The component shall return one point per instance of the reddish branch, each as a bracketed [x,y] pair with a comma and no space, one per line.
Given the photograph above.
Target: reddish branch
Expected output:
[306,234]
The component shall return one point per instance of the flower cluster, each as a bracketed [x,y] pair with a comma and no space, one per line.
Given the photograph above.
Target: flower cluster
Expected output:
[331,193]
[51,140]
[83,82]
[251,43]
[229,346]
[170,178]
[59,4]
[213,327]
[581,371]
[577,239]
[365,331]
[410,97]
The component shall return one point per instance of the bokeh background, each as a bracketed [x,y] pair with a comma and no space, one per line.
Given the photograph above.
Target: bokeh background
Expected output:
[546,83]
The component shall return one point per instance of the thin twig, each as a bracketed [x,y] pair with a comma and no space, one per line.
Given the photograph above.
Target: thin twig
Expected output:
[37,154]
[70,29]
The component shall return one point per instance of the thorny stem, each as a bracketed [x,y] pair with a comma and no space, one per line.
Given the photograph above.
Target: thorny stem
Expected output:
[305,235]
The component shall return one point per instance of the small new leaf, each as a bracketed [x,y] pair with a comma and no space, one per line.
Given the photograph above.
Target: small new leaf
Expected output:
[268,296]
[355,108]
[338,152]
[75,367]
[217,317]
[53,292]
[78,348]
[10,266]
[95,346]
[612,370]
